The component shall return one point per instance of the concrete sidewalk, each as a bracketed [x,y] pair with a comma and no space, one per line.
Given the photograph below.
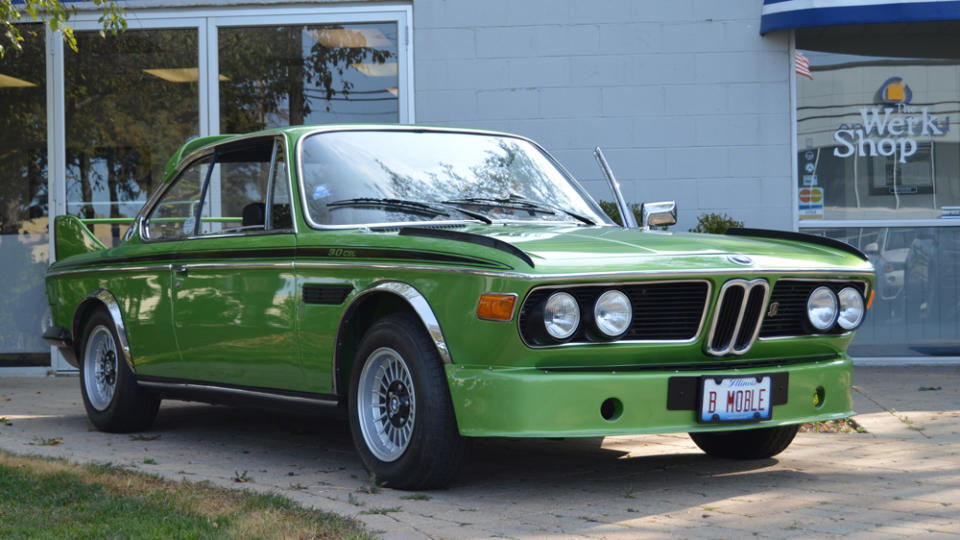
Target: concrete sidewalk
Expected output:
[900,478]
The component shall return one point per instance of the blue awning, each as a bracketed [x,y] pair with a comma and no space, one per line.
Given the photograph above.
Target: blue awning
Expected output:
[787,14]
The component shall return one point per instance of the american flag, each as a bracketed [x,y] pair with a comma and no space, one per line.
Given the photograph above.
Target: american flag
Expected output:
[802,65]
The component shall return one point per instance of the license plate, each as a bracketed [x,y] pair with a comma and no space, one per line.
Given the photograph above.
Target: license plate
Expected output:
[735,399]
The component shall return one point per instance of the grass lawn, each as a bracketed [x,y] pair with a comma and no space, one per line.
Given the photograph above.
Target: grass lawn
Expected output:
[42,497]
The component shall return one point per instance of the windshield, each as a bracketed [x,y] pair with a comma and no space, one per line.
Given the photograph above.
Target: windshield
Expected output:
[362,177]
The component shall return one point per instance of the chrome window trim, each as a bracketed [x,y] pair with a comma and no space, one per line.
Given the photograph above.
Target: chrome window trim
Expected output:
[748,287]
[703,314]
[308,219]
[866,295]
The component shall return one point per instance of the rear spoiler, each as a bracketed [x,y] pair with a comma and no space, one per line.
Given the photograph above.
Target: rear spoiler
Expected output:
[73,237]
[798,237]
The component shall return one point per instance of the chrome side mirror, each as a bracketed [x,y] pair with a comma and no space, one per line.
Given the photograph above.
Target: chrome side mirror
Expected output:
[658,213]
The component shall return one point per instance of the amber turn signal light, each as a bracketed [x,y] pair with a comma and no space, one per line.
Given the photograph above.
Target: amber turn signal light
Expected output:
[496,306]
[870,301]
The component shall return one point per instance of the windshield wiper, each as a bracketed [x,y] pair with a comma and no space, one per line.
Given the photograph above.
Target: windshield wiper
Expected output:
[413,207]
[520,203]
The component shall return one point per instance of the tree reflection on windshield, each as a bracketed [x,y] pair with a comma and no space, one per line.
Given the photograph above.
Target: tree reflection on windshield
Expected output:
[436,168]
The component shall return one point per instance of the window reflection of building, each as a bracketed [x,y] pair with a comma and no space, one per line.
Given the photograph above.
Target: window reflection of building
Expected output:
[127,102]
[876,131]
[24,239]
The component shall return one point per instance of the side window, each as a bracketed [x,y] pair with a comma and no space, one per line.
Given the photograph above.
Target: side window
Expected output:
[243,174]
[281,213]
[235,199]
[175,215]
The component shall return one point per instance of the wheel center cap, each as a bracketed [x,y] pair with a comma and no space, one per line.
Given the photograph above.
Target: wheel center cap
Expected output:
[398,403]
[394,403]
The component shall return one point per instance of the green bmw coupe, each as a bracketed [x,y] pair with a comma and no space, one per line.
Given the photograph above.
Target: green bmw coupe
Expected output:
[443,285]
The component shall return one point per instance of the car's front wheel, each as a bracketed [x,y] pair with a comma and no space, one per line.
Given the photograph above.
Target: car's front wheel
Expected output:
[113,401]
[746,444]
[401,417]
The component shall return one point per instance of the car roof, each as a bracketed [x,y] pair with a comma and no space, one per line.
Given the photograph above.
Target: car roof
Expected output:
[198,144]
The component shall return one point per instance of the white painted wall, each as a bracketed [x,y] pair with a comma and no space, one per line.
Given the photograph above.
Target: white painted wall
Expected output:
[685,97]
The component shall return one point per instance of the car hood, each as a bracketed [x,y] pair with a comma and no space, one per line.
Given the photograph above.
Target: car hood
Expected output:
[578,249]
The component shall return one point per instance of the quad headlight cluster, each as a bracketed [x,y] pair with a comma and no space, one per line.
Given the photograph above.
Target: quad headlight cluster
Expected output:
[827,309]
[611,315]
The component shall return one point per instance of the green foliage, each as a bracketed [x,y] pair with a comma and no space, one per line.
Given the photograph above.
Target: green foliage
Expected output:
[56,14]
[613,211]
[715,223]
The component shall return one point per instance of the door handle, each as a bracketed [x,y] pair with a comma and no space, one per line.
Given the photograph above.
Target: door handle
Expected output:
[179,269]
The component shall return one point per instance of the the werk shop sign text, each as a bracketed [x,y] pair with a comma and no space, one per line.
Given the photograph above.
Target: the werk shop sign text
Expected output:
[889,131]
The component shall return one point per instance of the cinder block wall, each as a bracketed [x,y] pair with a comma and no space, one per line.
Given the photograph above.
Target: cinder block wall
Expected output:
[684,96]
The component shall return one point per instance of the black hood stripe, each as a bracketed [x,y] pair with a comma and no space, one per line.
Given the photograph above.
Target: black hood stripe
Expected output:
[468,237]
[798,237]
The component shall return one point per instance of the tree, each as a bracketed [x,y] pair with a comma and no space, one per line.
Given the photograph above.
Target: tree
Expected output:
[56,14]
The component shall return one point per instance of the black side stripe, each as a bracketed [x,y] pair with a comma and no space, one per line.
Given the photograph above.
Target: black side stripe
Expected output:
[328,252]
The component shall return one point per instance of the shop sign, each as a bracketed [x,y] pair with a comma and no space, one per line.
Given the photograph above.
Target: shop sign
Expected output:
[811,203]
[889,130]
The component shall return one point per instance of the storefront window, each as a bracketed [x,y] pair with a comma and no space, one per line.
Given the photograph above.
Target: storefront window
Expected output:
[879,167]
[24,235]
[878,138]
[307,74]
[916,308]
[130,102]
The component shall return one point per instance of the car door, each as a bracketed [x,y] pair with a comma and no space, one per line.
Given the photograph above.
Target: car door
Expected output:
[234,289]
[146,294]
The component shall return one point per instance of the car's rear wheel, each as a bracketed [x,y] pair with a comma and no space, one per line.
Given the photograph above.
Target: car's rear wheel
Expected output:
[401,417]
[111,396]
[747,443]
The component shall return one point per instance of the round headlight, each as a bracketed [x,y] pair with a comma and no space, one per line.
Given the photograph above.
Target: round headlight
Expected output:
[822,308]
[612,313]
[851,309]
[561,315]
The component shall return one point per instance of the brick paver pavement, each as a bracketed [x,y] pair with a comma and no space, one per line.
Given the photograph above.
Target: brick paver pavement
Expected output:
[901,478]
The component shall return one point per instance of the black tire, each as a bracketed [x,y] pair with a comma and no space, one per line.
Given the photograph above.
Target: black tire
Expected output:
[421,448]
[747,443]
[116,404]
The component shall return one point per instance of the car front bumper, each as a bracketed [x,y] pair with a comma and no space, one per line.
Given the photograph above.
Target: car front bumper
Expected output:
[542,403]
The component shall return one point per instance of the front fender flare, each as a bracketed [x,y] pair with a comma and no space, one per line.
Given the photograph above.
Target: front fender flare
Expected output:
[417,302]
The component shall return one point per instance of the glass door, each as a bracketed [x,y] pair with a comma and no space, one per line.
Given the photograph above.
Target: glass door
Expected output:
[24,236]
[130,101]
[121,105]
